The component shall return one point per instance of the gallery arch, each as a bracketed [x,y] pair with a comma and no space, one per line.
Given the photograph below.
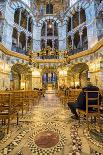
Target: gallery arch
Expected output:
[22,32]
[79,74]
[49,34]
[50,79]
[49,8]
[21,77]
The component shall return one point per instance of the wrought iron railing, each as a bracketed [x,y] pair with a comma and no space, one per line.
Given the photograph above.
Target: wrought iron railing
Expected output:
[77,50]
[49,57]
[18,50]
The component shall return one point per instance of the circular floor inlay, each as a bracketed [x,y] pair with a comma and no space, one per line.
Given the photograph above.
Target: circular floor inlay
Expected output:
[47,139]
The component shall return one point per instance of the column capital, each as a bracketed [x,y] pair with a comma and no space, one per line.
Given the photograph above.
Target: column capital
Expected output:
[81,32]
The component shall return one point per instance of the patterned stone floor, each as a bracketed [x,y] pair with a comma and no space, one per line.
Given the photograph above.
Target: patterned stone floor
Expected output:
[49,130]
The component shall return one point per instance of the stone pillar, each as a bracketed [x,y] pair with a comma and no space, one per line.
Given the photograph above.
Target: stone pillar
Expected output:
[62,36]
[71,23]
[81,39]
[46,35]
[92,33]
[27,22]
[53,38]
[20,17]
[36,37]
[45,29]
[45,42]
[36,79]
[53,43]
[79,17]
[26,43]
[96,73]
[8,26]
[72,38]
[18,40]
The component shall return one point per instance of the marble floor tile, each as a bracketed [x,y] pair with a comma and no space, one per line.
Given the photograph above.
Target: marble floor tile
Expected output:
[48,129]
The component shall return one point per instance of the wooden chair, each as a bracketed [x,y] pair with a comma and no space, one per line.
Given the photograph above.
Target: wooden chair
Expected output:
[72,96]
[8,109]
[19,100]
[92,107]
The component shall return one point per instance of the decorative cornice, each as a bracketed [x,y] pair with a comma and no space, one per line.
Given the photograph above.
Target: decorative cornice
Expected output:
[12,53]
[64,60]
[87,52]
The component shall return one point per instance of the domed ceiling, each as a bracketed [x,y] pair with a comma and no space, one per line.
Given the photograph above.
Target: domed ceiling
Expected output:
[58,5]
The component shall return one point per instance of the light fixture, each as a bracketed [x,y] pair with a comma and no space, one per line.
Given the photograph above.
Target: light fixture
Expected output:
[50,24]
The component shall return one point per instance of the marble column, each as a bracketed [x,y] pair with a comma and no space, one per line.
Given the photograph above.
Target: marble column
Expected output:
[79,17]
[26,43]
[81,39]
[71,23]
[20,17]
[53,37]
[72,38]
[46,35]
[18,39]
[27,22]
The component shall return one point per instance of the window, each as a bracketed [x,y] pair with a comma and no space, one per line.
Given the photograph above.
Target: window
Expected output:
[49,8]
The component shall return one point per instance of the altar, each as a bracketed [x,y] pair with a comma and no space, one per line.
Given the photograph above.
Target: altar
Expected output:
[50,87]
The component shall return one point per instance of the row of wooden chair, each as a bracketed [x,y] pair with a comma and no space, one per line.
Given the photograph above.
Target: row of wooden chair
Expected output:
[71,97]
[11,102]
[68,97]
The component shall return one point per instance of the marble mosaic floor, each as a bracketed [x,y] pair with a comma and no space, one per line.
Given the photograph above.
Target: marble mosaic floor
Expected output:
[49,130]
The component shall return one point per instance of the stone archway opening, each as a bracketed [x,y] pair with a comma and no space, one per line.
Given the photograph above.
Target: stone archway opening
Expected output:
[49,79]
[21,77]
[78,75]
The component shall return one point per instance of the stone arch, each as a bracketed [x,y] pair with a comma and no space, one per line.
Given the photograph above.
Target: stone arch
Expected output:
[14,37]
[49,33]
[21,75]
[50,18]
[49,8]
[20,5]
[50,75]
[79,73]
[23,41]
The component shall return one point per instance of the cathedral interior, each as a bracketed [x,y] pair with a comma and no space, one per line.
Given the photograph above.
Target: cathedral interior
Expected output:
[51,52]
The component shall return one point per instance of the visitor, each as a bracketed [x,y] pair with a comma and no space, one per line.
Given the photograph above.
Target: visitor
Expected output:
[81,100]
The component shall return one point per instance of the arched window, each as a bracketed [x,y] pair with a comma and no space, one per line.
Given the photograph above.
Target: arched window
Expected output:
[69,24]
[30,24]
[49,34]
[43,29]
[23,23]
[49,8]
[14,37]
[82,16]
[55,29]
[16,16]
[75,19]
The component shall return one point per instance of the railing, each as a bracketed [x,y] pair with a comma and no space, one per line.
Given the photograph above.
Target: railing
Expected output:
[18,50]
[48,57]
[75,51]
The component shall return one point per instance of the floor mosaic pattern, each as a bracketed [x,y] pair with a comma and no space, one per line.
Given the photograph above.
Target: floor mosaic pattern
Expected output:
[48,129]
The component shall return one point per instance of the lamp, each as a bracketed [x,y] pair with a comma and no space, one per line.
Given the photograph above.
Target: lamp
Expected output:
[50,24]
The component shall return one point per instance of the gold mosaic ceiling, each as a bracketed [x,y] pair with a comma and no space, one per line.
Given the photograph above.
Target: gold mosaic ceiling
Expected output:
[58,5]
